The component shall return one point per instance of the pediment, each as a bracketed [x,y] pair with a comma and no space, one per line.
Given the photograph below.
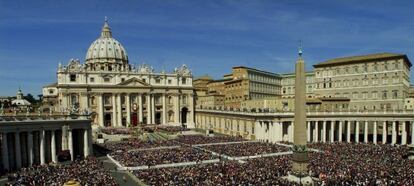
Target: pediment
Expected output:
[134,82]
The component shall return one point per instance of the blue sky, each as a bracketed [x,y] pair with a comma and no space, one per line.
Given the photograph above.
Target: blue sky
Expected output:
[210,36]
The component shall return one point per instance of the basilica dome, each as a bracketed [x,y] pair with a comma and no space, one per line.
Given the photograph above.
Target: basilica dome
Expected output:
[106,49]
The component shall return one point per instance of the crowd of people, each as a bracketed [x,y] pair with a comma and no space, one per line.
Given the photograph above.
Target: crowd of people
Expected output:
[171,129]
[361,164]
[246,149]
[113,130]
[261,171]
[161,156]
[88,171]
[135,143]
[200,139]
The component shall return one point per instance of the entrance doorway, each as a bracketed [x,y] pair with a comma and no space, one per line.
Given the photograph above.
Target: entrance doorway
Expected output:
[158,118]
[134,120]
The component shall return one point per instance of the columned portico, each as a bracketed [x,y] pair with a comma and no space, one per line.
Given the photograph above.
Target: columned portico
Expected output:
[5,150]
[30,141]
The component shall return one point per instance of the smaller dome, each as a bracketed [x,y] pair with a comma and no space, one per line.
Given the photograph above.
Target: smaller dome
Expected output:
[106,48]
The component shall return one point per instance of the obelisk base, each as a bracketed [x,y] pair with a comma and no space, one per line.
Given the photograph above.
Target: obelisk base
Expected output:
[300,161]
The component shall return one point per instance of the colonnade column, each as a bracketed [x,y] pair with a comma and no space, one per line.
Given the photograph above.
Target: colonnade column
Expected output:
[17,150]
[316,131]
[70,142]
[394,133]
[30,147]
[375,133]
[309,131]
[340,131]
[153,109]
[53,146]
[5,151]
[128,109]
[412,132]
[119,110]
[164,109]
[149,109]
[324,131]
[404,133]
[100,110]
[366,132]
[348,131]
[85,143]
[356,131]
[140,105]
[332,131]
[113,110]
[42,147]
[384,132]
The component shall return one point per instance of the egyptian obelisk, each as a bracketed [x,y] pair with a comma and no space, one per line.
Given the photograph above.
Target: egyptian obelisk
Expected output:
[300,158]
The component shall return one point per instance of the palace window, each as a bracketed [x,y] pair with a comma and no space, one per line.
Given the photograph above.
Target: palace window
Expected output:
[395,94]
[158,80]
[92,79]
[184,81]
[384,95]
[396,65]
[106,80]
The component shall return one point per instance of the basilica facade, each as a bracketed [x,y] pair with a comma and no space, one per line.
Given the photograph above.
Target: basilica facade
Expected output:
[118,93]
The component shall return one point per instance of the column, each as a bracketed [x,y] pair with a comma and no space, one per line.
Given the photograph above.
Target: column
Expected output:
[348,131]
[384,132]
[394,133]
[375,133]
[100,110]
[191,109]
[290,132]
[30,147]
[113,110]
[18,157]
[42,147]
[177,109]
[324,131]
[317,131]
[308,131]
[366,132]
[53,146]
[149,109]
[70,143]
[5,151]
[128,108]
[340,132]
[140,105]
[164,109]
[153,109]
[85,143]
[356,131]
[332,131]
[119,110]
[404,133]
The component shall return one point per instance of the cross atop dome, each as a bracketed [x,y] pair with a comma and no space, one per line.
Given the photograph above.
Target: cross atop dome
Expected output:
[106,30]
